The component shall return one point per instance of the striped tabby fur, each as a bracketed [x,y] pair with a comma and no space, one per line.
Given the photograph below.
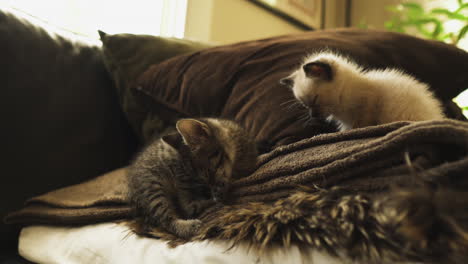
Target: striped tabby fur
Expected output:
[181,174]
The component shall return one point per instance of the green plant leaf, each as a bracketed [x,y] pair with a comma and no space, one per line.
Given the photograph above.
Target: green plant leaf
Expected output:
[413,6]
[423,21]
[437,30]
[412,11]
[363,24]
[462,33]
[389,25]
[393,9]
[458,16]
[442,11]
[394,25]
[447,37]
[449,14]
[461,7]
[429,24]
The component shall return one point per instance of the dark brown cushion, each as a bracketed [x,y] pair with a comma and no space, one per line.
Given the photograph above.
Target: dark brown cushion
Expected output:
[61,120]
[240,81]
[127,56]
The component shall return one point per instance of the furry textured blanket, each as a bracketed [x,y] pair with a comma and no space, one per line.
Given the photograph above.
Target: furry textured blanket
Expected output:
[395,192]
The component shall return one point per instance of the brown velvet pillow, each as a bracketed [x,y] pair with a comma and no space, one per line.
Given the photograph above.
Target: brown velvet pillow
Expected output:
[127,56]
[240,81]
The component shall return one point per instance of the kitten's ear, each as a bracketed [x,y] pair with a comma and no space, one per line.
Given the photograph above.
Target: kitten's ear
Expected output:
[318,70]
[288,81]
[174,140]
[195,133]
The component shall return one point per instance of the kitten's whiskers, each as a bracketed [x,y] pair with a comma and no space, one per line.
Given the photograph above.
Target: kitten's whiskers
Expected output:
[290,105]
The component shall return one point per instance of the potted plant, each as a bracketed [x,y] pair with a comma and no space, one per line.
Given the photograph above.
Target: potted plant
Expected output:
[438,23]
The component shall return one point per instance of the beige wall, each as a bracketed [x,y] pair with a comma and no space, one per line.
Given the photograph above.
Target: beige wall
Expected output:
[373,12]
[370,12]
[198,20]
[335,13]
[228,21]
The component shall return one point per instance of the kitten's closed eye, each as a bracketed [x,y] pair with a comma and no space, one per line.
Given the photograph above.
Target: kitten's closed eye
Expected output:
[318,70]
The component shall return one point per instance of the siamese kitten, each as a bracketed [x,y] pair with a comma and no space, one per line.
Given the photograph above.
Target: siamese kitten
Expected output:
[182,173]
[338,88]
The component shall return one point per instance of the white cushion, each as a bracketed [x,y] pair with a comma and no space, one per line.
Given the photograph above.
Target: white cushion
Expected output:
[111,243]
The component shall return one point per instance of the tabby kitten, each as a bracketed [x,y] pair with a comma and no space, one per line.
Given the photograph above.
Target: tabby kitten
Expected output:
[182,173]
[343,91]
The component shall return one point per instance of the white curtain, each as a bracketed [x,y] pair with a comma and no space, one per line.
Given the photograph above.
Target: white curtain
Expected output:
[85,17]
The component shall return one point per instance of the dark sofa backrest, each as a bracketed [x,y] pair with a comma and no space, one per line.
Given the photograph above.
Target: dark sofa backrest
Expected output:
[61,121]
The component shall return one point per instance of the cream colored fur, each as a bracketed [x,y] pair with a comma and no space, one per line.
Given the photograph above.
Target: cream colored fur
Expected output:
[359,98]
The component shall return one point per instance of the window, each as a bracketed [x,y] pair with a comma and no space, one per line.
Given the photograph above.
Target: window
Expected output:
[85,17]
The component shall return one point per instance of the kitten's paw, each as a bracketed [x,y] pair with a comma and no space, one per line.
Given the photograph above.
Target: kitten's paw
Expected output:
[187,228]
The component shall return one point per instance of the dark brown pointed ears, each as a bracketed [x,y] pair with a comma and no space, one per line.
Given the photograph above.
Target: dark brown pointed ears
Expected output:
[195,133]
[318,70]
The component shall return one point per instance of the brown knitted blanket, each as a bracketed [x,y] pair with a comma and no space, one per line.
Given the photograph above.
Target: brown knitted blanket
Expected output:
[394,192]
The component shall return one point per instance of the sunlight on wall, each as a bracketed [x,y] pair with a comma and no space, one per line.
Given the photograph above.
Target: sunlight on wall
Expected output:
[85,17]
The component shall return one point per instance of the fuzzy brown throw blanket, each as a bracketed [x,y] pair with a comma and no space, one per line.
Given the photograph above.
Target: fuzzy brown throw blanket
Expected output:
[393,192]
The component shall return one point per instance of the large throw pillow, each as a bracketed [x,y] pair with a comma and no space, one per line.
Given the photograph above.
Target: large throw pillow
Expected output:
[241,81]
[127,56]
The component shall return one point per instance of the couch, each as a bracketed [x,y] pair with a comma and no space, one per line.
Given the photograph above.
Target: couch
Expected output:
[75,110]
